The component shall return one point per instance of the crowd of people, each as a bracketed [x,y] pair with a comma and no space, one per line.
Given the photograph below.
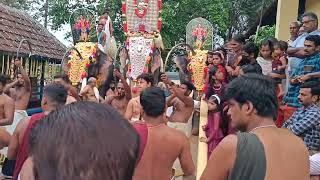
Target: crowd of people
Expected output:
[262,110]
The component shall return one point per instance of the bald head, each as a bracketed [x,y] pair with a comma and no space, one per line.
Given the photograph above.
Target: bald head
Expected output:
[92,81]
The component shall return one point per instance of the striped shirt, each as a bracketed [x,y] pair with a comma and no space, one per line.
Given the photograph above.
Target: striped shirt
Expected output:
[310,64]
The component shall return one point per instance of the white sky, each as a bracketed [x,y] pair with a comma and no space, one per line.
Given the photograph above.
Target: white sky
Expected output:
[60,35]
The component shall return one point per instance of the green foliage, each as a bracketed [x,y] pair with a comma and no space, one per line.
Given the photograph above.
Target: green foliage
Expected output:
[228,16]
[263,33]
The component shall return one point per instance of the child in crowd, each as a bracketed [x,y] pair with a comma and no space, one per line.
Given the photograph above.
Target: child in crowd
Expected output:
[209,64]
[279,63]
[218,60]
[215,125]
[215,60]
[265,59]
[216,82]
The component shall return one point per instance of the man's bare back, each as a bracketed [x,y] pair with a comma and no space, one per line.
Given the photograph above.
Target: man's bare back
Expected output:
[286,156]
[17,138]
[181,113]
[6,110]
[164,146]
[134,109]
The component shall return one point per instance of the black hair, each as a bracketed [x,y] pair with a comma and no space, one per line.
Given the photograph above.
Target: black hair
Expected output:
[314,86]
[249,68]
[56,93]
[189,85]
[147,77]
[224,125]
[153,101]
[282,45]
[64,77]
[3,79]
[257,89]
[268,43]
[86,149]
[250,48]
[314,38]
[211,91]
[239,38]
[311,15]
[222,49]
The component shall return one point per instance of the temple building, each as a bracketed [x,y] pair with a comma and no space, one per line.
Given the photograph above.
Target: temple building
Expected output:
[40,51]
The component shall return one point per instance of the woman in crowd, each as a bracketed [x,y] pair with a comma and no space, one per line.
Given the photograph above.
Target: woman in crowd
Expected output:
[235,46]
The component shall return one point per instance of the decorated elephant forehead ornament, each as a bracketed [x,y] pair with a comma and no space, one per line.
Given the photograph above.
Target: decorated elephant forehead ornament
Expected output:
[196,67]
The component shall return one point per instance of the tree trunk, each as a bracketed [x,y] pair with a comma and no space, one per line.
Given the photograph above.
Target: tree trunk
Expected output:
[46,9]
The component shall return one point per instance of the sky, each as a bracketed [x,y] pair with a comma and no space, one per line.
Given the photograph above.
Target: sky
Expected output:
[60,35]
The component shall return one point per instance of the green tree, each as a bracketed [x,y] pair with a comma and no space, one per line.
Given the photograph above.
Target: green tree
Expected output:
[263,33]
[228,16]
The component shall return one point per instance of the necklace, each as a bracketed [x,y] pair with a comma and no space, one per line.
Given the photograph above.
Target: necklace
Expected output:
[154,125]
[260,127]
[218,87]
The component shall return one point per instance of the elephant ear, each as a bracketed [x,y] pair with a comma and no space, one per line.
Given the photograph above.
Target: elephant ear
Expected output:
[158,42]
[157,61]
[182,63]
[123,57]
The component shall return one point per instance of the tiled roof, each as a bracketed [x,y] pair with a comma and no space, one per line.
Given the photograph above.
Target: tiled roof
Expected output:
[16,25]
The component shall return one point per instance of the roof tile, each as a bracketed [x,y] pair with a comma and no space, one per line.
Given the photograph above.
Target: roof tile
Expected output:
[16,25]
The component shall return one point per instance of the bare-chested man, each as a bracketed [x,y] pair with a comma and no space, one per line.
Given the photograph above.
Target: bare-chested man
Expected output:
[261,151]
[160,144]
[181,102]
[6,104]
[20,91]
[134,109]
[6,112]
[89,92]
[122,95]
[72,91]
[54,96]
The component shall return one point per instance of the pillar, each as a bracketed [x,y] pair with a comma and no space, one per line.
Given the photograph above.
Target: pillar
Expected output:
[313,6]
[287,12]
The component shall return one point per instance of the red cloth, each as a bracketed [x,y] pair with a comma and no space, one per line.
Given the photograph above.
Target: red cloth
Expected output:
[23,150]
[142,130]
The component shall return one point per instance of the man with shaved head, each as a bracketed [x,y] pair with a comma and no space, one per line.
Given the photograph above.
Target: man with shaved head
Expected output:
[90,91]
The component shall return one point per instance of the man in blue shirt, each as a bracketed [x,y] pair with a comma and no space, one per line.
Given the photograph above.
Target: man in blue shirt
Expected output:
[308,70]
[296,49]
[305,122]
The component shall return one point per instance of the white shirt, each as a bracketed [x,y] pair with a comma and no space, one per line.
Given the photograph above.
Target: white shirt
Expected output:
[315,164]
[266,65]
